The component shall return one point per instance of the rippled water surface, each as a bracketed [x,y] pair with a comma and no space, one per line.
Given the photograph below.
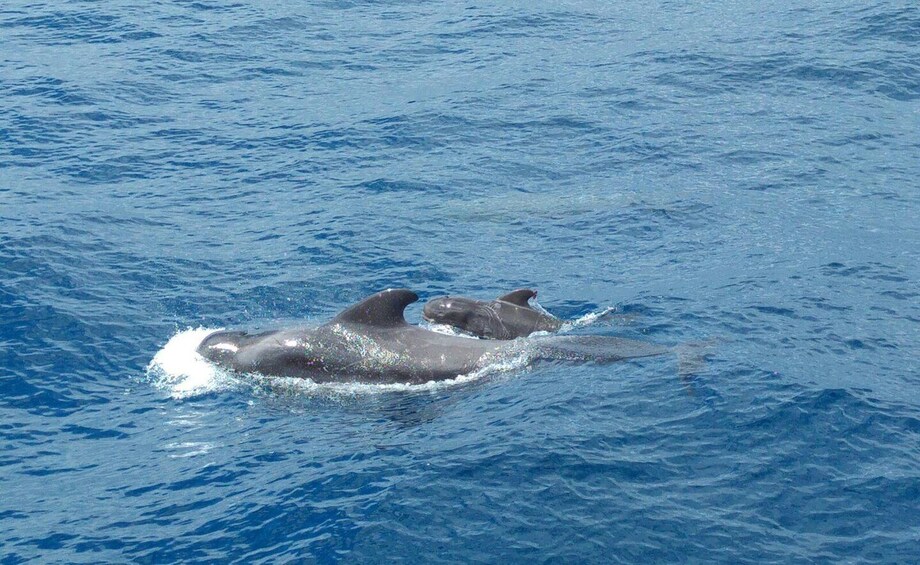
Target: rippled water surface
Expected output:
[742,174]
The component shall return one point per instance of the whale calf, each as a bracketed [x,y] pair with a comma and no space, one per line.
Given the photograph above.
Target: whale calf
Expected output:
[371,342]
[507,317]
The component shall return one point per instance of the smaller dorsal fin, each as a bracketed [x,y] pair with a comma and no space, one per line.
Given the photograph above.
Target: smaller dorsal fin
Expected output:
[382,309]
[519,297]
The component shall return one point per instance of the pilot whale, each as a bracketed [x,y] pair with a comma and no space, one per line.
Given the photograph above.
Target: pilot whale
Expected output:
[507,317]
[371,342]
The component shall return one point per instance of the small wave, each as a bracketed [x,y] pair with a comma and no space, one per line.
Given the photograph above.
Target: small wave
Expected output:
[183,449]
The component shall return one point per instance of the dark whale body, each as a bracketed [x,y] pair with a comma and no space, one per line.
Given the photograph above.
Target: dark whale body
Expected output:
[507,317]
[371,342]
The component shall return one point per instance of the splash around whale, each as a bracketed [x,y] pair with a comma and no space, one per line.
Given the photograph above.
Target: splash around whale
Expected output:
[371,342]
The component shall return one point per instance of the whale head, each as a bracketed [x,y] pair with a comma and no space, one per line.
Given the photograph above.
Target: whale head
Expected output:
[462,313]
[221,347]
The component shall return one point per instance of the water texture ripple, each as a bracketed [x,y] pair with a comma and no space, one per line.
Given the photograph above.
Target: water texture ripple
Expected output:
[739,174]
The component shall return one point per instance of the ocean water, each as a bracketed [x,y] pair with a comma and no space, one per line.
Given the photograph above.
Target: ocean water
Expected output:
[741,174]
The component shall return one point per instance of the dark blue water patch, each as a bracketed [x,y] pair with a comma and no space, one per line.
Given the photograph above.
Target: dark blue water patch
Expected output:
[872,271]
[68,27]
[49,90]
[886,22]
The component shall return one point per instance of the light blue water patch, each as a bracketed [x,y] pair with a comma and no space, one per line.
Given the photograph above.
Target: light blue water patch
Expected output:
[743,174]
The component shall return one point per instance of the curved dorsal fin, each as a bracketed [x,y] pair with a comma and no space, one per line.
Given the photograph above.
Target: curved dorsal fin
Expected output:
[519,297]
[382,309]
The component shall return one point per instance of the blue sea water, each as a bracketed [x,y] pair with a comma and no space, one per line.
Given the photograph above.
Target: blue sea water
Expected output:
[743,174]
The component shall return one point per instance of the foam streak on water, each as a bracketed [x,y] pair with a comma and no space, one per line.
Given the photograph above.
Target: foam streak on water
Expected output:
[588,319]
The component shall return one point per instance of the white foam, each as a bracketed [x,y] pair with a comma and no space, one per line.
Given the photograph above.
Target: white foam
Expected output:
[587,319]
[188,449]
[180,370]
[306,387]
[446,329]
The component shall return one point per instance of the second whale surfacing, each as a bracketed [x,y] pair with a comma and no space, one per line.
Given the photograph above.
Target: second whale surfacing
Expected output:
[507,317]
[371,342]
